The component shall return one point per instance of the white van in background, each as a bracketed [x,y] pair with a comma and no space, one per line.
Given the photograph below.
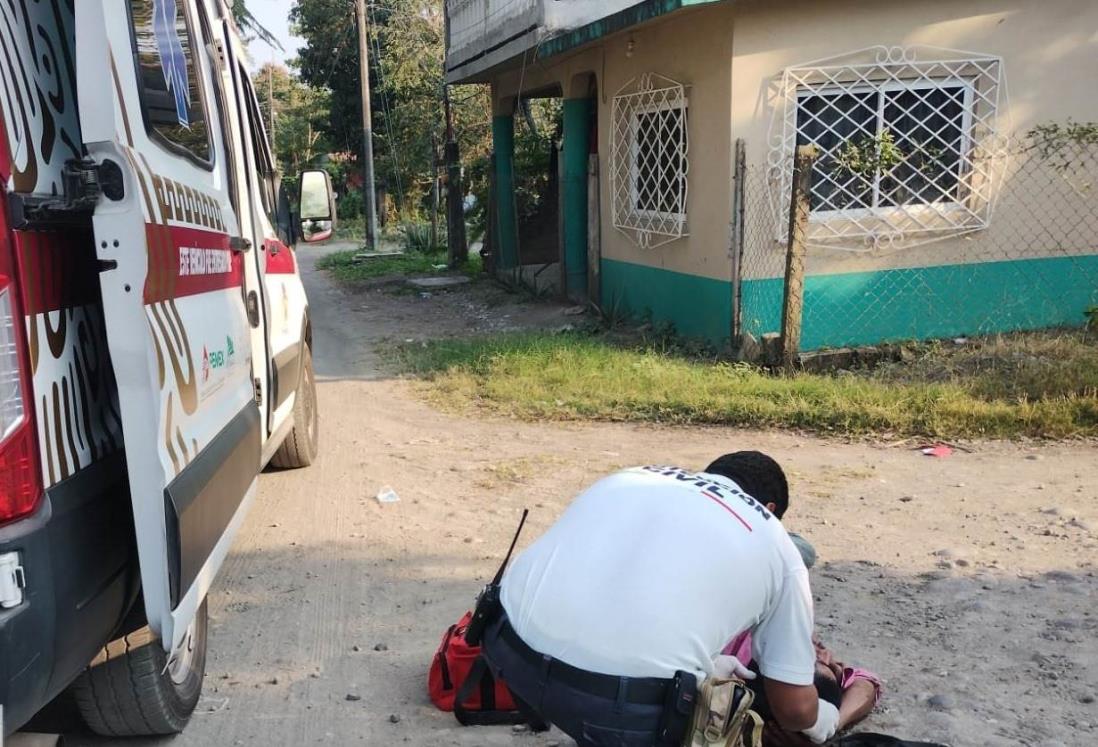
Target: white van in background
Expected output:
[155,346]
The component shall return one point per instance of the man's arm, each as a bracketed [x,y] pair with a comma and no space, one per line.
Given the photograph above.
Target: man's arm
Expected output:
[794,706]
[858,700]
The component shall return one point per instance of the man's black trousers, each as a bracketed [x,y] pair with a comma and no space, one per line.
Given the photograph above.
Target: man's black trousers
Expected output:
[631,716]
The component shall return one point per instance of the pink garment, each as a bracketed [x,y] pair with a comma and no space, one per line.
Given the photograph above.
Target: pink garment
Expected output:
[740,647]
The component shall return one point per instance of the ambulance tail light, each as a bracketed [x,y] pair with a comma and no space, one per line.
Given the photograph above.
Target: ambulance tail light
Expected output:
[20,479]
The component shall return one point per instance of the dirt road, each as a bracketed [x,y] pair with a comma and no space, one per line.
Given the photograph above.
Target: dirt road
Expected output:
[968,583]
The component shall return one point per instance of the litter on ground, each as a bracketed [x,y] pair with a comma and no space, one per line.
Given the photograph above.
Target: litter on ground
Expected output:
[387,495]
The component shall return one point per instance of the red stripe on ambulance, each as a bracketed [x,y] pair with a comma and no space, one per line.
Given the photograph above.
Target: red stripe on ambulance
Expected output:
[189,262]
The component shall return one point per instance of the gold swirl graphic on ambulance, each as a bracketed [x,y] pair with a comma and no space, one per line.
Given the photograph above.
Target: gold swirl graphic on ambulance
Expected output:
[184,204]
[78,416]
[173,355]
[75,395]
[38,93]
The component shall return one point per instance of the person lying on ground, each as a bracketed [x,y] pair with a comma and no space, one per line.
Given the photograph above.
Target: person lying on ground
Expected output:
[611,618]
[854,690]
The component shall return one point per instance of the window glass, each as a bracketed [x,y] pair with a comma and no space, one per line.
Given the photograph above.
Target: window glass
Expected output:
[168,75]
[264,162]
[928,128]
[888,147]
[659,165]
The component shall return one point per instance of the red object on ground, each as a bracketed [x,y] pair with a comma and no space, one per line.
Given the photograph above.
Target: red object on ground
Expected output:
[451,666]
[937,450]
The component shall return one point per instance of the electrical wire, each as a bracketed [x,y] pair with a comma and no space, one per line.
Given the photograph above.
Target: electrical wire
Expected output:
[387,111]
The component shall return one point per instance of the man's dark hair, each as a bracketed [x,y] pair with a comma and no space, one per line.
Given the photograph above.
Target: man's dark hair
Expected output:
[759,476]
[828,688]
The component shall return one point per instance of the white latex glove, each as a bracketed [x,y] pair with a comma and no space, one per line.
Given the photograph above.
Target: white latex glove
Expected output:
[827,723]
[726,666]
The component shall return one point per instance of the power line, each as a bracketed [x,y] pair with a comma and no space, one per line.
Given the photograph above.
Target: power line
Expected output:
[385,108]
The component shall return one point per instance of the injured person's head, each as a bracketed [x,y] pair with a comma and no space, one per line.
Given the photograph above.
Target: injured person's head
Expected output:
[825,680]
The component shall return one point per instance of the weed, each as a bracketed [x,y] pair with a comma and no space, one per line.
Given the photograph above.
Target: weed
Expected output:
[1032,387]
[344,267]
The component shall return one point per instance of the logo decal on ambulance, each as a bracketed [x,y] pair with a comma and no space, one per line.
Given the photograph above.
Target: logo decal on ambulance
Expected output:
[173,60]
[212,360]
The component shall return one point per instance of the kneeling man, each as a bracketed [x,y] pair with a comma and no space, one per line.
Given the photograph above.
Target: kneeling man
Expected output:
[611,617]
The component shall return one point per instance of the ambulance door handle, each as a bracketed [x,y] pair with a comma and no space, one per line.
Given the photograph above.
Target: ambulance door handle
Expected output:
[239,244]
[252,306]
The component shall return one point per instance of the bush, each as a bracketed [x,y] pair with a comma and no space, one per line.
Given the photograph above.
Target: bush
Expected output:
[417,237]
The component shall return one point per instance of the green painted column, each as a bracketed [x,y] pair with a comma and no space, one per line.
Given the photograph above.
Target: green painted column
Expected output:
[574,200]
[503,142]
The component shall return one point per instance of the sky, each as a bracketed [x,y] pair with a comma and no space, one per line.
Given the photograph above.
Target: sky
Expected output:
[275,16]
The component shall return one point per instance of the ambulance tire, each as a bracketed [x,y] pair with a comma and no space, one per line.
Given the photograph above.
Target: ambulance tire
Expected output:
[303,442]
[129,689]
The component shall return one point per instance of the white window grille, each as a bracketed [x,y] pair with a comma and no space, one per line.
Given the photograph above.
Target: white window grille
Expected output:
[648,160]
[909,145]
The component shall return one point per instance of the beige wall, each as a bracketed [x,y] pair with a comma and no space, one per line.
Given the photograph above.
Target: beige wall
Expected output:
[1050,59]
[1049,49]
[695,49]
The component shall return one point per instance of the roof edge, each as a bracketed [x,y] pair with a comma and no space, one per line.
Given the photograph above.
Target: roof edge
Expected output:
[623,19]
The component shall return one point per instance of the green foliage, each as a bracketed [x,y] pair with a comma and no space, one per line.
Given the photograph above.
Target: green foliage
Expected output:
[406,53]
[249,26]
[301,113]
[1056,142]
[1092,318]
[582,376]
[869,155]
[417,238]
[345,268]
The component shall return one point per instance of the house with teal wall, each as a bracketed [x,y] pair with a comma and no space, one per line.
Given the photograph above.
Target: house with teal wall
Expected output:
[953,193]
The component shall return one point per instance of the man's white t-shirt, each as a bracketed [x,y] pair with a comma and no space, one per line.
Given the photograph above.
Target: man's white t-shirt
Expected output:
[654,570]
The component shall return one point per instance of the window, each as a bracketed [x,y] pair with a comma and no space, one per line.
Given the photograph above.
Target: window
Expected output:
[171,97]
[659,160]
[912,145]
[881,147]
[649,160]
[264,161]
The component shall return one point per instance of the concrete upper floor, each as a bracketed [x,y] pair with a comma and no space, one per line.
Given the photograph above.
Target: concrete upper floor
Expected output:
[484,35]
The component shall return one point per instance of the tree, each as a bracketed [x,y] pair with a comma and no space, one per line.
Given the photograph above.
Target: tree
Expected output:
[249,25]
[301,112]
[329,61]
[407,49]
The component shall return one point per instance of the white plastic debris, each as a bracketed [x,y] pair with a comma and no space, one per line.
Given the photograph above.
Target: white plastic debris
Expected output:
[387,495]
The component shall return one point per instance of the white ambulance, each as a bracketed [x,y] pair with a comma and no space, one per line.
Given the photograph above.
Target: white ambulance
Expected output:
[155,346]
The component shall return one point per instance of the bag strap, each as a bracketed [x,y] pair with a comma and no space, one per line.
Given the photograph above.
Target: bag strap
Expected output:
[753,731]
[480,677]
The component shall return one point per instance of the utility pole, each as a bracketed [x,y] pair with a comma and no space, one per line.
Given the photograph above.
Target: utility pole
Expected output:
[455,196]
[368,197]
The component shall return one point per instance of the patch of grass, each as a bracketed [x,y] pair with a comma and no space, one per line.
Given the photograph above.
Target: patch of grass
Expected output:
[582,376]
[344,267]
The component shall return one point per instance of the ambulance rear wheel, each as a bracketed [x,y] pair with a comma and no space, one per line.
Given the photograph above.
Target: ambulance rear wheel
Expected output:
[303,442]
[133,688]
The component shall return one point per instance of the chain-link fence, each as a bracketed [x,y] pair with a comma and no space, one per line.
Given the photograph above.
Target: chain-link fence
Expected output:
[1034,265]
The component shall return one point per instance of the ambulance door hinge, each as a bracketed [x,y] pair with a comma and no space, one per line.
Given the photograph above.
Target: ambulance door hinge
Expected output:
[258,393]
[12,581]
[83,182]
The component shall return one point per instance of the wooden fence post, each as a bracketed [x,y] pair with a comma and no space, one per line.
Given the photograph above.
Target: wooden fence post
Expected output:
[793,296]
[594,231]
[736,236]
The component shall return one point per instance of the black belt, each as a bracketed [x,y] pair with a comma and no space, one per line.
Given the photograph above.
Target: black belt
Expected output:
[638,690]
